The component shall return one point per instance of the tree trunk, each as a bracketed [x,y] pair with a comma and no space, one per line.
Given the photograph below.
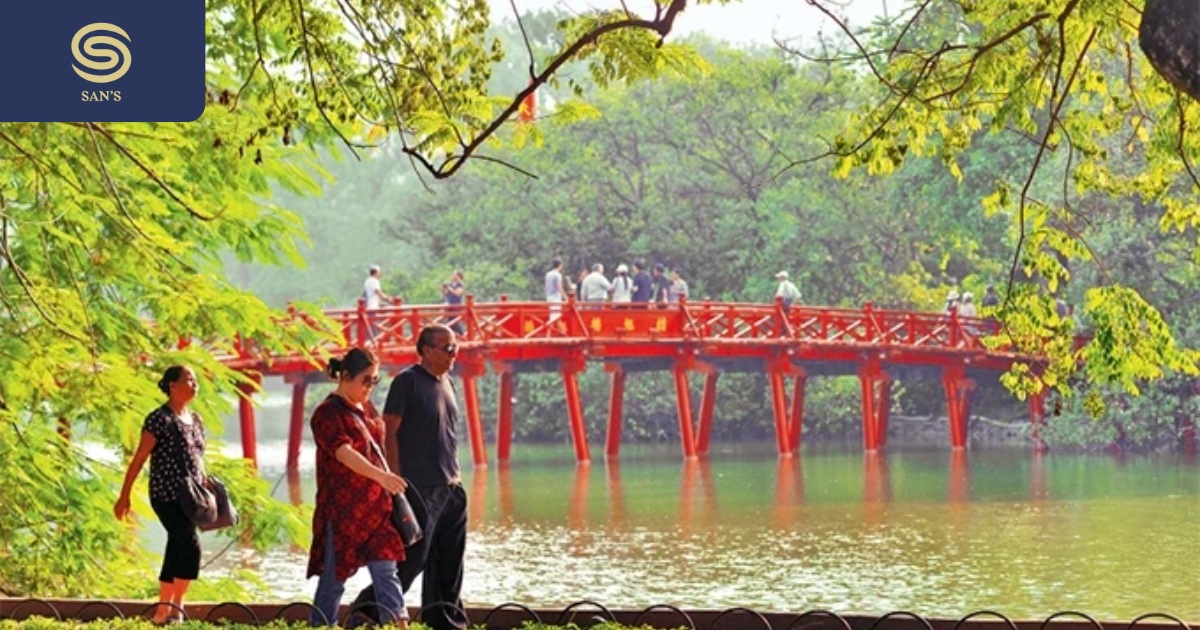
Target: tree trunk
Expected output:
[1170,37]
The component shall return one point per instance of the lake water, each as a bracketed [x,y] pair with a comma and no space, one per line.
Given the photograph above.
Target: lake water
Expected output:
[916,530]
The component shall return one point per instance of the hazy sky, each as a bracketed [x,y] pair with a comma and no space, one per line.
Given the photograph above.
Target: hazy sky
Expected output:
[744,22]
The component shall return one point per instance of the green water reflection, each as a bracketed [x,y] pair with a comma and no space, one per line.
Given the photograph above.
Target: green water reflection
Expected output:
[930,532]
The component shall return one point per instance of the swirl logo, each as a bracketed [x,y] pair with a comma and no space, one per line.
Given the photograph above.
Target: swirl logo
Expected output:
[113,52]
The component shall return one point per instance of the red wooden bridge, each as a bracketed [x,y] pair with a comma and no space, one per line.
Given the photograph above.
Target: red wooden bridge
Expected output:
[704,337]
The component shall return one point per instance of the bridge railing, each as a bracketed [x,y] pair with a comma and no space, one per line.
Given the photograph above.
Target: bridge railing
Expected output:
[510,321]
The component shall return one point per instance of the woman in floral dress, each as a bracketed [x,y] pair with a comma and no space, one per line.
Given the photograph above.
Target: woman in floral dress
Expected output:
[351,523]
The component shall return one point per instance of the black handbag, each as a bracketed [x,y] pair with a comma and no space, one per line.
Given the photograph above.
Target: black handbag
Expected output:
[405,517]
[408,512]
[206,503]
[198,502]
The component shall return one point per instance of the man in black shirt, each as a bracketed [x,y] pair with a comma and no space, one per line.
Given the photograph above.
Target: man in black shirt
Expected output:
[643,284]
[421,443]
[662,285]
[990,299]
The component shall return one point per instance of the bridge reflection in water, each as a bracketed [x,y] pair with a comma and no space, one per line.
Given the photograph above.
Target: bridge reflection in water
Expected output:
[698,496]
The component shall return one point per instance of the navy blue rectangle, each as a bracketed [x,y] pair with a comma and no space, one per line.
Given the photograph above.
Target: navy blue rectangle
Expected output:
[47,79]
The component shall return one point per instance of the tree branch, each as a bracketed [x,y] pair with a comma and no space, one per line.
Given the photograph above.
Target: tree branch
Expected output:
[662,24]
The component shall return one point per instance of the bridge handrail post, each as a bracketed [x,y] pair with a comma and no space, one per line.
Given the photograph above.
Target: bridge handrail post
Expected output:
[361,335]
[869,322]
[467,313]
[572,318]
[395,320]
[686,323]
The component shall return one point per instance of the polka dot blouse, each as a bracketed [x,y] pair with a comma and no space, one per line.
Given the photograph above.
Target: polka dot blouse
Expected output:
[178,451]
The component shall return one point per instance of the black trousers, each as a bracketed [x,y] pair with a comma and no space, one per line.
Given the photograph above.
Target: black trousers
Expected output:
[439,556]
[182,558]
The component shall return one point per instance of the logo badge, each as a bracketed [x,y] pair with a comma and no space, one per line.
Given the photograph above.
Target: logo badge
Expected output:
[110,61]
[114,51]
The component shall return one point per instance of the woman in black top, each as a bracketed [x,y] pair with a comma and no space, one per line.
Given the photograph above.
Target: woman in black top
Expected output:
[173,440]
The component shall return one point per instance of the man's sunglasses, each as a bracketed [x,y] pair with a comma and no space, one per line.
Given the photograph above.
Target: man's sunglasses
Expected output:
[451,349]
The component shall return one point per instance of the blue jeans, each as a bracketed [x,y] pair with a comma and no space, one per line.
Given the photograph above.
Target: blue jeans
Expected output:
[328,597]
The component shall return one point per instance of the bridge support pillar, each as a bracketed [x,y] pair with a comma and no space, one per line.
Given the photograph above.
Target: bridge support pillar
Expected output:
[246,423]
[1037,418]
[296,425]
[796,423]
[708,403]
[684,403]
[504,413]
[570,374]
[779,406]
[474,424]
[958,403]
[876,402]
[616,403]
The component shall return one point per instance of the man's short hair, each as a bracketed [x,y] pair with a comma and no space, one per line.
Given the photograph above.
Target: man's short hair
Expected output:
[597,267]
[374,269]
[557,262]
[659,267]
[640,264]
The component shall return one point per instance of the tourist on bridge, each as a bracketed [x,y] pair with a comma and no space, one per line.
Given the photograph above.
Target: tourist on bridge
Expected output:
[374,296]
[967,308]
[421,415]
[596,288]
[173,439]
[352,525]
[643,284]
[579,278]
[452,295]
[555,293]
[951,307]
[679,287]
[990,299]
[662,285]
[622,284]
[786,291]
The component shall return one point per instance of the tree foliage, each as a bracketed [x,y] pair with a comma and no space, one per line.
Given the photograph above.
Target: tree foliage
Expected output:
[1104,128]
[112,238]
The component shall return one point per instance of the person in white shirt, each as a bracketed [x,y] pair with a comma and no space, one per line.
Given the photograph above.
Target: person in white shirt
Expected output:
[373,290]
[679,288]
[374,296]
[622,292]
[555,293]
[596,288]
[786,290]
[967,308]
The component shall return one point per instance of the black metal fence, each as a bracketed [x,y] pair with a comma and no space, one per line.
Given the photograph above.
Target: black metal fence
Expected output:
[585,613]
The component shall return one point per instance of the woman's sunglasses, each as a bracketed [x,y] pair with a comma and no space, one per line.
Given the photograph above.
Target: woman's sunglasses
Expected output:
[371,381]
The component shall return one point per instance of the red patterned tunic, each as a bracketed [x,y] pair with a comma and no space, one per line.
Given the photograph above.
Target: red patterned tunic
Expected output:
[355,507]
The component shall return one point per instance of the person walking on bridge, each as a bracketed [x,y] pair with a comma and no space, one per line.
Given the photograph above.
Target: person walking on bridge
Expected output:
[787,291]
[555,293]
[374,296]
[421,415]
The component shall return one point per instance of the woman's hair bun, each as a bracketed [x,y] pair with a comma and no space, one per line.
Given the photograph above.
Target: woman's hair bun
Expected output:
[335,368]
